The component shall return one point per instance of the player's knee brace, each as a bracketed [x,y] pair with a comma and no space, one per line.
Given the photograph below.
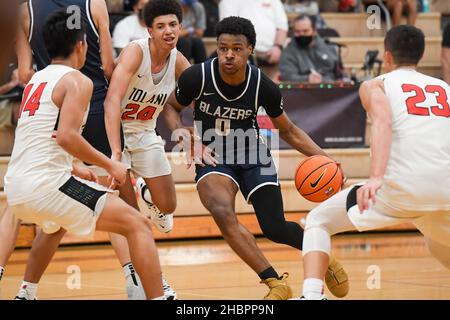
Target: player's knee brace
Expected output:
[317,234]
[316,238]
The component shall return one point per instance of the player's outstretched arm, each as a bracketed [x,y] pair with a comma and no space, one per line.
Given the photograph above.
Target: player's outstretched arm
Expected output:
[72,94]
[128,64]
[376,103]
[23,49]
[101,20]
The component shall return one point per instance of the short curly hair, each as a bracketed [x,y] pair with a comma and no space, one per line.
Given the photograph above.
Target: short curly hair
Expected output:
[156,8]
[237,26]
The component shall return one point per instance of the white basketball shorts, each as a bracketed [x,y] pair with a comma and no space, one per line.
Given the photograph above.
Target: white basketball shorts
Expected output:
[75,207]
[144,154]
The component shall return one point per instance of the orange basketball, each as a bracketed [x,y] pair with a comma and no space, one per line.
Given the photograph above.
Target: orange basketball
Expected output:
[317,178]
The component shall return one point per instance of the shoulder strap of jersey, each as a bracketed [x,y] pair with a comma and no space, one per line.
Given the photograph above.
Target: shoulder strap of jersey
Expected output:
[258,82]
[203,81]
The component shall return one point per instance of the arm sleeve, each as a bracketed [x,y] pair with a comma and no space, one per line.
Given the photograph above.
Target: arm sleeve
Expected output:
[189,85]
[270,97]
[446,37]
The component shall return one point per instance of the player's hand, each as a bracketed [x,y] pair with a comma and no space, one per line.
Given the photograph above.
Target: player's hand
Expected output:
[185,137]
[207,156]
[115,156]
[84,173]
[201,155]
[118,172]
[367,193]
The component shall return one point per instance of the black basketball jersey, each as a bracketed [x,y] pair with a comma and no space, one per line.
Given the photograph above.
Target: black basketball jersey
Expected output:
[228,121]
[224,115]
[39,10]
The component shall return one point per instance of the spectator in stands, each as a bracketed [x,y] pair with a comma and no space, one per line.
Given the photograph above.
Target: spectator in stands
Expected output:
[400,7]
[212,16]
[130,28]
[11,84]
[190,43]
[115,6]
[307,58]
[338,5]
[308,7]
[442,6]
[445,57]
[270,21]
[9,110]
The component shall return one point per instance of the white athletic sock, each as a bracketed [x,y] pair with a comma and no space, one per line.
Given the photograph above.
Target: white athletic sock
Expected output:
[130,274]
[28,290]
[147,195]
[313,289]
[2,270]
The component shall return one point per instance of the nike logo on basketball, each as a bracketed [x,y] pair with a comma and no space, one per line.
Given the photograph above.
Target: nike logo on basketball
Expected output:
[208,93]
[313,185]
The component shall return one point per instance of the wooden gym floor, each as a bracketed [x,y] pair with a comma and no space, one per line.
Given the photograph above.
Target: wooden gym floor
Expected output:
[208,269]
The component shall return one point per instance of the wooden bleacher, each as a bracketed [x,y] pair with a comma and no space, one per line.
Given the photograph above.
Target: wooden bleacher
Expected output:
[355,24]
[353,55]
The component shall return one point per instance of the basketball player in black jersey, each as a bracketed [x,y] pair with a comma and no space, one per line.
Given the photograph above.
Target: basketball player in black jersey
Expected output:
[228,92]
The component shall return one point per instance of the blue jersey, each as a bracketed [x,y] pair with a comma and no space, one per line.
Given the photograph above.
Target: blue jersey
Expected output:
[39,10]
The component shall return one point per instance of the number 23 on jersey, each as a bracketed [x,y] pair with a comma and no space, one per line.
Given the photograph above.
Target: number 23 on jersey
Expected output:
[441,109]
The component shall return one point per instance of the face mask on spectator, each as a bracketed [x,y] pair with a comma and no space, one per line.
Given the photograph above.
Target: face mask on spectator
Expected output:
[304,41]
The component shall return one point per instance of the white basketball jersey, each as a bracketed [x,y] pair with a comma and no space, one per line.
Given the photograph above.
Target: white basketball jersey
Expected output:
[418,171]
[37,162]
[144,99]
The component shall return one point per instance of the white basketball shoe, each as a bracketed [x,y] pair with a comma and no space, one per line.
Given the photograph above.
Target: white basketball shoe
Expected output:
[25,294]
[135,290]
[162,221]
[169,293]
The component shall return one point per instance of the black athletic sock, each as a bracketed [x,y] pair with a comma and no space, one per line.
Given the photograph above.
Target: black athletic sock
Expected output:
[268,273]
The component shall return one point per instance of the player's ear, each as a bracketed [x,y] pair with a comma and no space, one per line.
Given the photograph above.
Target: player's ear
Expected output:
[388,59]
[79,46]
